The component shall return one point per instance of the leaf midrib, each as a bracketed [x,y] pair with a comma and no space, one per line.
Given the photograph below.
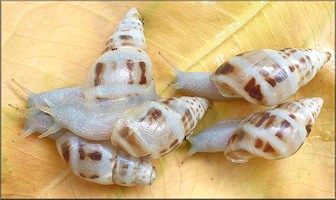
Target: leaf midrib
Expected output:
[209,47]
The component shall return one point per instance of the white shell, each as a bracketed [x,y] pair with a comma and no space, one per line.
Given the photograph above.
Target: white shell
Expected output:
[268,77]
[124,68]
[154,129]
[103,164]
[276,133]
[129,32]
[120,73]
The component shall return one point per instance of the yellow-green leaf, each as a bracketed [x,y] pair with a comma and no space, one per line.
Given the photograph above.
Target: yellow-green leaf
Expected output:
[49,45]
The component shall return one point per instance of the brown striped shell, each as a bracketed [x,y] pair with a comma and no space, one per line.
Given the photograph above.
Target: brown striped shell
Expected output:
[154,129]
[102,163]
[124,68]
[268,77]
[129,32]
[276,133]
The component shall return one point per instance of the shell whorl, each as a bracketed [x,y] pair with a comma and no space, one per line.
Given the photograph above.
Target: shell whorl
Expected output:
[268,77]
[124,68]
[129,170]
[128,33]
[190,109]
[154,129]
[275,133]
[118,73]
[101,163]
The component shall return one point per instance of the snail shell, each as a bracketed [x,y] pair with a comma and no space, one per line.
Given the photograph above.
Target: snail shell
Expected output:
[269,77]
[265,77]
[103,164]
[129,32]
[154,129]
[124,68]
[276,133]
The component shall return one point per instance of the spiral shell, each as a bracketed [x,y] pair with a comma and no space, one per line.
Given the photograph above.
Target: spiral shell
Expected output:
[103,164]
[124,68]
[276,133]
[129,32]
[268,77]
[154,129]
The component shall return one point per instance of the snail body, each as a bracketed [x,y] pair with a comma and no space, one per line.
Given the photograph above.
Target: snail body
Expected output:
[214,138]
[265,77]
[124,68]
[92,120]
[101,163]
[154,129]
[272,134]
[67,108]
[199,84]
[36,120]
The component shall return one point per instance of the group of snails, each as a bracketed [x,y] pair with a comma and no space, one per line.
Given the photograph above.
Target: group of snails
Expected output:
[109,128]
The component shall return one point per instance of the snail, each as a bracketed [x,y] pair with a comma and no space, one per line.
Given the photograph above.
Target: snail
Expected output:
[69,109]
[265,77]
[101,163]
[95,119]
[154,129]
[272,134]
[124,68]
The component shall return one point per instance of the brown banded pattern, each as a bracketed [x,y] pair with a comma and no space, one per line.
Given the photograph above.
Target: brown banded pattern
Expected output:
[129,32]
[157,127]
[124,68]
[119,73]
[130,66]
[101,163]
[99,71]
[65,151]
[276,133]
[143,78]
[268,77]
